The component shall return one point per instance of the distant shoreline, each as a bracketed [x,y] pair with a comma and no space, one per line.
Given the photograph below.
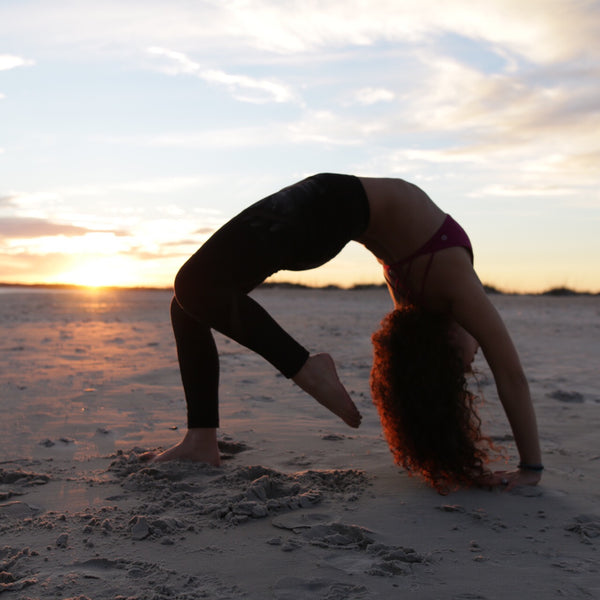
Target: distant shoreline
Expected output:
[552,292]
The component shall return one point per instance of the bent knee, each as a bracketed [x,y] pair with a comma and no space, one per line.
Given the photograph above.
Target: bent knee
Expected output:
[182,284]
[197,291]
[190,288]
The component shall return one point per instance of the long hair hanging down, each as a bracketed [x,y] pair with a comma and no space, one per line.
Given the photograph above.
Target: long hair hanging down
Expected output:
[428,415]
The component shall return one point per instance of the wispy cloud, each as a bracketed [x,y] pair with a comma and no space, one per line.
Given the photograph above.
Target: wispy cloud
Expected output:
[371,95]
[230,138]
[313,126]
[328,127]
[544,31]
[242,87]
[523,191]
[249,89]
[178,63]
[25,266]
[160,185]
[6,200]
[148,186]
[455,155]
[583,165]
[10,61]
[31,227]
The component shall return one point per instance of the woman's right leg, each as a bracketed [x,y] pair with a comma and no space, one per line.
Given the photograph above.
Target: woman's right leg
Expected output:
[300,227]
[212,288]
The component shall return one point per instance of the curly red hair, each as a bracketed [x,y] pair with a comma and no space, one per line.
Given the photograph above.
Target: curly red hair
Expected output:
[428,415]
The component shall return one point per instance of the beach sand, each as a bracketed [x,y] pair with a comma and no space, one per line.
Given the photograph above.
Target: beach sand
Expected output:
[303,506]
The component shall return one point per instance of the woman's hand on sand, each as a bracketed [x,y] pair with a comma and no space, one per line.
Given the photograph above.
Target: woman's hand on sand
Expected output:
[507,480]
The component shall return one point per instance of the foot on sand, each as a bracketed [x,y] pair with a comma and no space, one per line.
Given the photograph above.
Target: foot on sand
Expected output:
[198,445]
[318,378]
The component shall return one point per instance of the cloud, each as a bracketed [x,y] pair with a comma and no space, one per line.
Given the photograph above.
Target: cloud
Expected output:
[7,200]
[313,126]
[9,61]
[30,227]
[501,113]
[235,137]
[242,87]
[540,30]
[371,95]
[160,185]
[579,169]
[436,156]
[248,89]
[581,164]
[151,185]
[544,31]
[327,127]
[179,64]
[29,267]
[517,191]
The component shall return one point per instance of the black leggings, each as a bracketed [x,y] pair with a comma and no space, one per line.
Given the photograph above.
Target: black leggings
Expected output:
[300,227]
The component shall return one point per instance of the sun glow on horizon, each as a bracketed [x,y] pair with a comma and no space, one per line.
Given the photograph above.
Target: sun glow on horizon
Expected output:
[346,271]
[101,272]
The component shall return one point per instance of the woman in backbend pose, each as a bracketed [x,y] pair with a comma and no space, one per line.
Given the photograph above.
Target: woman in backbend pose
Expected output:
[424,347]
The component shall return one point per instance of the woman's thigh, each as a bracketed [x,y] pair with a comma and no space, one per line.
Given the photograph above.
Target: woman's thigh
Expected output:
[300,227]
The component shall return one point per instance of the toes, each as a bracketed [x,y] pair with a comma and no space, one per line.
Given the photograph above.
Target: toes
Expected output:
[354,420]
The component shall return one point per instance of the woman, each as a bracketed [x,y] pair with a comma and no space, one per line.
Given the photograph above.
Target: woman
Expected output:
[429,420]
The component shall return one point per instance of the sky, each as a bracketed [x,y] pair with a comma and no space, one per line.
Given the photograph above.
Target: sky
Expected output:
[130,130]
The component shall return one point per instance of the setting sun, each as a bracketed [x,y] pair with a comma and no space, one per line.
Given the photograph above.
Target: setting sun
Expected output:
[101,272]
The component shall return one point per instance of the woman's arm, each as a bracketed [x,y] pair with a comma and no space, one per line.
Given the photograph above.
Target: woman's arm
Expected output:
[472,309]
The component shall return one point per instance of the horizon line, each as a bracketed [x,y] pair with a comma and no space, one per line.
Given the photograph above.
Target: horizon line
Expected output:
[490,289]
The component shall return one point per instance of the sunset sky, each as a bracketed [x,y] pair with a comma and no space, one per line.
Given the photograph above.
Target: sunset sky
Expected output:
[129,130]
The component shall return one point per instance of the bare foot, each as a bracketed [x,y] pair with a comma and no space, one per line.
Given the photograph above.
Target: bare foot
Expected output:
[198,445]
[318,378]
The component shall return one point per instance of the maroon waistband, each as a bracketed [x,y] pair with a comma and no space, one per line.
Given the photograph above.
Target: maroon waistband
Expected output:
[449,235]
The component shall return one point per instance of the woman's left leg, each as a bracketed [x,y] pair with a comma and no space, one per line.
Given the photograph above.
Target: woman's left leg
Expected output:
[199,368]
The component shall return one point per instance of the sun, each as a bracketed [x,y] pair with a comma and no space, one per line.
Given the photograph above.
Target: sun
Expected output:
[101,272]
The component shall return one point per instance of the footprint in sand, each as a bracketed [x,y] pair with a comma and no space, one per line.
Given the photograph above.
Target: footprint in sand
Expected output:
[587,527]
[568,397]
[361,552]
[120,578]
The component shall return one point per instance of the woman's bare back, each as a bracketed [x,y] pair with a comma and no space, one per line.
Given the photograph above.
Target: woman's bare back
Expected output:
[402,218]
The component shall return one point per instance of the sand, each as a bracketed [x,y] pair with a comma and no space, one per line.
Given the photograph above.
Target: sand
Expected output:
[303,506]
